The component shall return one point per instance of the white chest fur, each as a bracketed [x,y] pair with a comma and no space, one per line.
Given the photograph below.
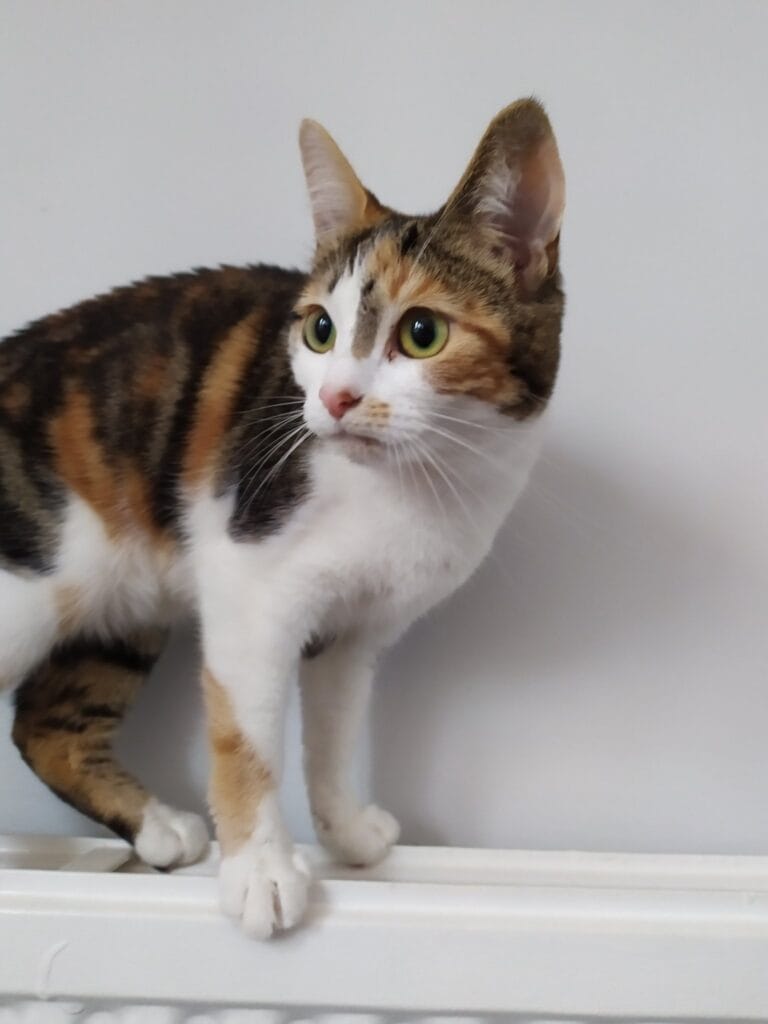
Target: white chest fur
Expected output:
[373,547]
[393,544]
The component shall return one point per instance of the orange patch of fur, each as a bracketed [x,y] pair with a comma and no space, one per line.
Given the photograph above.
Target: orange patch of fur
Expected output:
[376,411]
[80,461]
[474,363]
[218,391]
[239,778]
[118,492]
[61,760]
[390,270]
[405,282]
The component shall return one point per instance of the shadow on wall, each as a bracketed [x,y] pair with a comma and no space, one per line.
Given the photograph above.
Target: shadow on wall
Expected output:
[501,688]
[492,722]
[162,739]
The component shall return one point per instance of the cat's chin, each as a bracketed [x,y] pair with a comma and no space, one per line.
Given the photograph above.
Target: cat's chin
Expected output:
[358,448]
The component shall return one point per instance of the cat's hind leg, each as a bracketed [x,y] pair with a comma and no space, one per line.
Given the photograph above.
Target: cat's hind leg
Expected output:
[67,711]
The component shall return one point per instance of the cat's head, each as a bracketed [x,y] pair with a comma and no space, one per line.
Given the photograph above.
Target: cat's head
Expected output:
[412,328]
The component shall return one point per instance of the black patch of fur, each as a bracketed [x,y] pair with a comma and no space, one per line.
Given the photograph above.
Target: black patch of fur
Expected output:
[315,645]
[113,652]
[21,543]
[408,241]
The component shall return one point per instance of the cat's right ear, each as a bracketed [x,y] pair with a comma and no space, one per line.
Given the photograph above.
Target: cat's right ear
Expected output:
[340,203]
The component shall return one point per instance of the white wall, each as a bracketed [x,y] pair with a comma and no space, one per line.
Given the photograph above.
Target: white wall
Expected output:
[602,682]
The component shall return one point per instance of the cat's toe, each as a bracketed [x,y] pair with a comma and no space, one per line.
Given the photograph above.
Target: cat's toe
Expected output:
[169,838]
[266,889]
[361,838]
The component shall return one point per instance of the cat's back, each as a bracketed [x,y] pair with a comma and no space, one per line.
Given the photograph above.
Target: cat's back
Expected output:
[101,400]
[193,307]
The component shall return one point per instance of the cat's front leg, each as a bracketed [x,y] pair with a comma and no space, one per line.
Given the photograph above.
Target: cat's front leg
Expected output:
[249,662]
[335,690]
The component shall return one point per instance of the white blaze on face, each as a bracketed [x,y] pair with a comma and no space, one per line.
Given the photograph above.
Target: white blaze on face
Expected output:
[339,369]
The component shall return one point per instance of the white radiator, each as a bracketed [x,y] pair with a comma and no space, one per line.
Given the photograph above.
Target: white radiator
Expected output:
[432,935]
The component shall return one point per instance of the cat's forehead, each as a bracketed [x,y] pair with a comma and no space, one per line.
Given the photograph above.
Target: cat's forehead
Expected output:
[395,266]
[381,257]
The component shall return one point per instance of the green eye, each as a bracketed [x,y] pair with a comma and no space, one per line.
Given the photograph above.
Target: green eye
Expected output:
[319,332]
[422,333]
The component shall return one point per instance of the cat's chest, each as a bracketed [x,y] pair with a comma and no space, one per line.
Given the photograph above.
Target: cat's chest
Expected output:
[372,548]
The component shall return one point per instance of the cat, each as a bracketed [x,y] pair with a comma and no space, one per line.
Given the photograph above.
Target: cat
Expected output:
[308,462]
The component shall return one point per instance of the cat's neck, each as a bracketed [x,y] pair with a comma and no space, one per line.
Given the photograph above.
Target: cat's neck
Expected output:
[452,480]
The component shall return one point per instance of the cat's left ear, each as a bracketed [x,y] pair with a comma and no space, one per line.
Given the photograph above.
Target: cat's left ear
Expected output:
[514,190]
[340,202]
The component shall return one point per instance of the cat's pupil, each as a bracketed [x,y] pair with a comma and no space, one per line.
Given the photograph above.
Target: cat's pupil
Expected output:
[423,331]
[323,328]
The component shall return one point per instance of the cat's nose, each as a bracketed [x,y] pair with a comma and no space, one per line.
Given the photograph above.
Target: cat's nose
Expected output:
[338,402]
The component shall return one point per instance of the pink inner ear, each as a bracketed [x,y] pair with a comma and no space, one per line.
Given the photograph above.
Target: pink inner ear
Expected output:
[523,205]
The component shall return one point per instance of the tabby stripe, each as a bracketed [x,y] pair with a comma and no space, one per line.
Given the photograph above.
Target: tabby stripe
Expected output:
[116,653]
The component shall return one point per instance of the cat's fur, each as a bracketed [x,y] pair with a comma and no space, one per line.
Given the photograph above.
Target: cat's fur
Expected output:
[166,447]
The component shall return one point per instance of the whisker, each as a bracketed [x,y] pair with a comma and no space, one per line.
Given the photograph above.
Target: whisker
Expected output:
[491,557]
[274,401]
[274,425]
[273,444]
[275,447]
[286,414]
[254,412]
[469,423]
[433,459]
[278,466]
[438,500]
[410,462]
[251,448]
[448,435]
[396,450]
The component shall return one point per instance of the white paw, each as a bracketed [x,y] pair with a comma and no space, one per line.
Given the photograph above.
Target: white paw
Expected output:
[359,838]
[264,885]
[168,837]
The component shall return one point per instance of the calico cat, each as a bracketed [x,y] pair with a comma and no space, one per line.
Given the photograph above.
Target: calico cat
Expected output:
[308,462]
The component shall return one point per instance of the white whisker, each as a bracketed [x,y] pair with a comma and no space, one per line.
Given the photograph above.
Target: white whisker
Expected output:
[283,459]
[450,436]
[470,423]
[438,500]
[432,457]
[253,470]
[255,443]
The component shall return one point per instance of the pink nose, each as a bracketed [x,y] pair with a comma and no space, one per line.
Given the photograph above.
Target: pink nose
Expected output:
[338,402]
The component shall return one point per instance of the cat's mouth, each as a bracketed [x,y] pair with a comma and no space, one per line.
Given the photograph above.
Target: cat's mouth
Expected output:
[357,446]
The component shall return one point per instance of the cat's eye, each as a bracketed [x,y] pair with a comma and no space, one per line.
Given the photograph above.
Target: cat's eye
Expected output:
[319,332]
[422,333]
